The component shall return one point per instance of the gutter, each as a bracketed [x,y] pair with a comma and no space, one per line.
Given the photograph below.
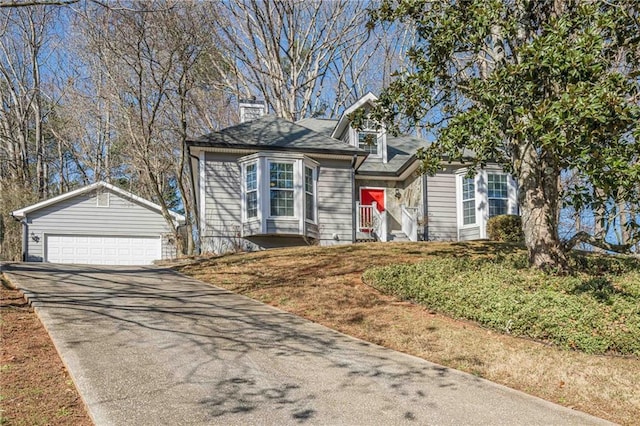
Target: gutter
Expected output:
[257,148]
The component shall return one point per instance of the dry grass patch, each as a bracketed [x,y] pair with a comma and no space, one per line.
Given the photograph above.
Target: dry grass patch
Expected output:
[325,286]
[35,388]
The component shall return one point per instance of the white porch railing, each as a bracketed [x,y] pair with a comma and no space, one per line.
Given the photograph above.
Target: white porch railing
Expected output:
[364,218]
[371,221]
[380,223]
[410,222]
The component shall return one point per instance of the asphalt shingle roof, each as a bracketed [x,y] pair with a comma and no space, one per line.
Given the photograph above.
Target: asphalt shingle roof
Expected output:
[274,133]
[310,135]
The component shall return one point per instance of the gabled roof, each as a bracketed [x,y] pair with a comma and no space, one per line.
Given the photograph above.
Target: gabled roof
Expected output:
[274,133]
[21,213]
[401,150]
[343,122]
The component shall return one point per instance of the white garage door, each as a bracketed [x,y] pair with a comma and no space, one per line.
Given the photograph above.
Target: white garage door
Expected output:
[102,250]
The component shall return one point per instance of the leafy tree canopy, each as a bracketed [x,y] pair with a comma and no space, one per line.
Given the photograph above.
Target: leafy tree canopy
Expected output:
[542,88]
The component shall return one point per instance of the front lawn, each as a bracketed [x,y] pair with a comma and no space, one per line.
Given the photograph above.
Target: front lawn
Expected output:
[596,311]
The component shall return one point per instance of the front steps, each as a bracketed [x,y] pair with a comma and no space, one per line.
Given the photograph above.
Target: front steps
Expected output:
[364,237]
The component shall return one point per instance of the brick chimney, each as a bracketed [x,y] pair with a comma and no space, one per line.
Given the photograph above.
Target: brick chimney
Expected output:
[250,109]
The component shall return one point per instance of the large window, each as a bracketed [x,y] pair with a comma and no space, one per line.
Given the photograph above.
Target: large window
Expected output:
[281,189]
[468,201]
[251,190]
[309,194]
[498,194]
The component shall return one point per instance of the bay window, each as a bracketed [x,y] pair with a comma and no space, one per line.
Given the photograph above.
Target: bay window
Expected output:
[279,191]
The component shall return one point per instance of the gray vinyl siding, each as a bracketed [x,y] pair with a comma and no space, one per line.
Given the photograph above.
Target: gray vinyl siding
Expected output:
[441,206]
[223,230]
[467,234]
[251,227]
[312,230]
[335,203]
[283,226]
[80,215]
[222,203]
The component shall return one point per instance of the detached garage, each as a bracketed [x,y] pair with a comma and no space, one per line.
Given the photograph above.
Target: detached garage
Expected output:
[99,224]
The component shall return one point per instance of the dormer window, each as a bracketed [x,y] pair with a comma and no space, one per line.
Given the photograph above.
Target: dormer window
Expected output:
[368,141]
[370,138]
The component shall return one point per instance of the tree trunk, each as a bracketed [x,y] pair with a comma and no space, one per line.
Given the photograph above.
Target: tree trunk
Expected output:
[539,191]
[181,173]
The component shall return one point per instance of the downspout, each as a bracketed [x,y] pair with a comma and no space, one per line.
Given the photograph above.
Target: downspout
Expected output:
[425,209]
[353,197]
[23,222]
[195,197]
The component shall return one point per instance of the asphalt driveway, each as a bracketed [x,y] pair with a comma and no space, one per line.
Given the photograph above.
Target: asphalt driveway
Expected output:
[148,346]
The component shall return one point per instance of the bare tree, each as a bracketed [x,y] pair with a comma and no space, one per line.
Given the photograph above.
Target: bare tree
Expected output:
[156,71]
[26,109]
[291,51]
[25,33]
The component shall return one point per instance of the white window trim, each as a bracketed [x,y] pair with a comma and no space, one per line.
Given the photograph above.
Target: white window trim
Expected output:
[295,189]
[460,175]
[314,183]
[381,141]
[475,203]
[244,209]
[496,173]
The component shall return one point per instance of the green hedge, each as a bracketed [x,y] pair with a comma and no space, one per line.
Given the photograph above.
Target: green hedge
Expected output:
[506,228]
[592,313]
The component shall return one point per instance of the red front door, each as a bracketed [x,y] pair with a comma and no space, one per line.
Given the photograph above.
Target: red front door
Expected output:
[368,196]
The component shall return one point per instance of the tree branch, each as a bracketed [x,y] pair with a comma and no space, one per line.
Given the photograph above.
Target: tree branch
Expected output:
[25,3]
[585,237]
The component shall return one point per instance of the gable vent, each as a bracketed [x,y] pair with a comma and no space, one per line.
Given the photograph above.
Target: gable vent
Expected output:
[103,199]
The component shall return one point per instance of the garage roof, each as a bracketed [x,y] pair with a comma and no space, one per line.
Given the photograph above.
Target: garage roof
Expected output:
[21,213]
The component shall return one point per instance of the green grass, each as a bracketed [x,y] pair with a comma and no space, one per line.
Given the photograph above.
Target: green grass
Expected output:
[597,310]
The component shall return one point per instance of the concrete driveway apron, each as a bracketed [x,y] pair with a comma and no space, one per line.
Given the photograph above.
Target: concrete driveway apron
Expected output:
[148,346]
